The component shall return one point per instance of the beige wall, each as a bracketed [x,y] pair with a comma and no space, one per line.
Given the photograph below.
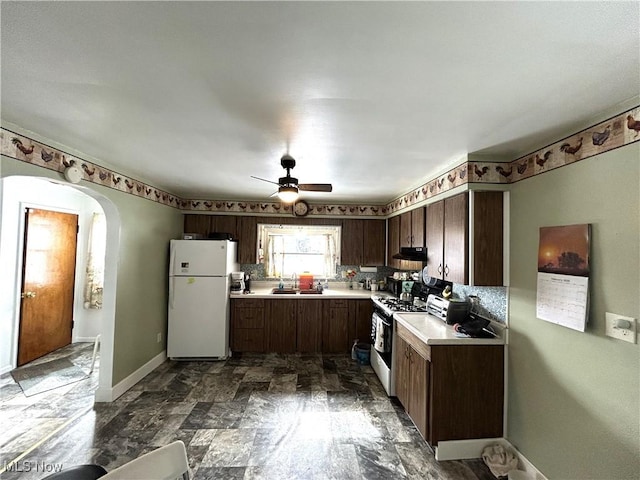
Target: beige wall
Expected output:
[574,398]
[141,301]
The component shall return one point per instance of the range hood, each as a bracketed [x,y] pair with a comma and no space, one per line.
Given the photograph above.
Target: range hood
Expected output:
[415,254]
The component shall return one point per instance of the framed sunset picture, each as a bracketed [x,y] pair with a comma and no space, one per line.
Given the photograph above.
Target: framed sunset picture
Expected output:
[564,250]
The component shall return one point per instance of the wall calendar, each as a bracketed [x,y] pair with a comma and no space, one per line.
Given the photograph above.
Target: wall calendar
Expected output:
[563,275]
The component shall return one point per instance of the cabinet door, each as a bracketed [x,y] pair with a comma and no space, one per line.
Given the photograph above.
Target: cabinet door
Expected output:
[197,224]
[403,370]
[352,242]
[247,239]
[335,331]
[435,239]
[280,323]
[309,326]
[456,239]
[225,224]
[417,227]
[405,229]
[360,312]
[418,391]
[393,246]
[488,238]
[374,233]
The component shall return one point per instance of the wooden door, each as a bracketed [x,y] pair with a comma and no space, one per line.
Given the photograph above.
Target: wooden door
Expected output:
[335,328]
[418,394]
[48,276]
[352,242]
[373,242]
[417,227]
[225,224]
[247,239]
[197,224]
[405,229]
[456,239]
[488,238]
[393,246]
[280,321]
[402,367]
[360,312]
[309,325]
[434,239]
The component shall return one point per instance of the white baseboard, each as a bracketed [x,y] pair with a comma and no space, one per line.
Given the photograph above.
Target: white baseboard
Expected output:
[110,394]
[84,339]
[5,369]
[461,449]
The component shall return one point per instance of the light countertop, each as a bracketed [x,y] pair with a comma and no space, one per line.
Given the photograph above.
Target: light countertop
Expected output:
[433,331]
[264,291]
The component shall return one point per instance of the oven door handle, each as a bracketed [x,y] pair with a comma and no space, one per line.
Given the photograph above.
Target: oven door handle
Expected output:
[386,321]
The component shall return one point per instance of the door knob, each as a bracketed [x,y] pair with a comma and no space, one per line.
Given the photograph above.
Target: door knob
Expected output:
[28,295]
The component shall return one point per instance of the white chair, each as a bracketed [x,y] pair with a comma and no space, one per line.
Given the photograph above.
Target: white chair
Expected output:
[165,463]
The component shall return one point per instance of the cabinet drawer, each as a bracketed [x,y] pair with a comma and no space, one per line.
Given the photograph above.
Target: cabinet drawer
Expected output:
[418,345]
[333,303]
[246,318]
[248,340]
[248,303]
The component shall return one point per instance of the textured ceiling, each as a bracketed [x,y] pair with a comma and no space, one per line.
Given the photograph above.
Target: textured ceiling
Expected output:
[375,98]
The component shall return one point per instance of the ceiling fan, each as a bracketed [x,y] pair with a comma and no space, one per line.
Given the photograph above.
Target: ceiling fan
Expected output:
[289,186]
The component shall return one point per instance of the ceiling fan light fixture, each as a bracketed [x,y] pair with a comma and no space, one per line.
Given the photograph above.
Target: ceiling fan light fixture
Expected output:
[288,194]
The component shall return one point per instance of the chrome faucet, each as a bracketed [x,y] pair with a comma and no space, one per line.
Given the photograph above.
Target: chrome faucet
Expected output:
[294,278]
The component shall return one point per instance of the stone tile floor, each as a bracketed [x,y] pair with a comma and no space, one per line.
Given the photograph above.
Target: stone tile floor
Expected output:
[251,417]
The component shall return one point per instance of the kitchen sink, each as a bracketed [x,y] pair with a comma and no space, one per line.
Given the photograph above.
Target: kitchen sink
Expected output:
[311,291]
[283,291]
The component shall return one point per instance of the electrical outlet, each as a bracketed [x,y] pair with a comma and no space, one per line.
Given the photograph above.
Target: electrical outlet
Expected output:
[159,337]
[615,327]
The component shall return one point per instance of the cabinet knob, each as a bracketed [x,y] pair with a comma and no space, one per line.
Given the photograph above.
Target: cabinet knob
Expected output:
[446,270]
[440,269]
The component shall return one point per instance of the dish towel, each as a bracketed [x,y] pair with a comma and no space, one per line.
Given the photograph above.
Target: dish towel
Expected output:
[499,460]
[379,343]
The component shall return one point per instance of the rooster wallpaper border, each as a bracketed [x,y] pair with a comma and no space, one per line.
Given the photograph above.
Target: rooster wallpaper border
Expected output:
[615,132]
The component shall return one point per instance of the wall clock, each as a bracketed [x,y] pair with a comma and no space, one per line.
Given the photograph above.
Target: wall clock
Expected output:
[300,208]
[73,174]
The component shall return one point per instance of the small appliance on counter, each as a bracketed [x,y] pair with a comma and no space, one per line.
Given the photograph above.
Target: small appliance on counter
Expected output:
[451,311]
[237,283]
[247,283]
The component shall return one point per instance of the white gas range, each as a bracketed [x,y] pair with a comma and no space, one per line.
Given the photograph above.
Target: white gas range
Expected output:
[384,306]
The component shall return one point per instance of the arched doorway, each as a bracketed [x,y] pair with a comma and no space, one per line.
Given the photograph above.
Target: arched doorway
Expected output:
[19,191]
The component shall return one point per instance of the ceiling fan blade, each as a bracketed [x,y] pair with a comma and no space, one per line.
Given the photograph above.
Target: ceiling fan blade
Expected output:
[264,180]
[315,187]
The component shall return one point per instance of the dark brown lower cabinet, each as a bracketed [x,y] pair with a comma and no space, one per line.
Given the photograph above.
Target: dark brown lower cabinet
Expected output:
[247,325]
[287,325]
[309,325]
[360,312]
[451,392]
[281,325]
[412,380]
[335,328]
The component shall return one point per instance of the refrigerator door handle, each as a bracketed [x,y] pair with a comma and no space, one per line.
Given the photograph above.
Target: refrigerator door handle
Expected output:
[172,261]
[172,281]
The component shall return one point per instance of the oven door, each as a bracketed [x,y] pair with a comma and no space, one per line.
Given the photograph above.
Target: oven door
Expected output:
[381,332]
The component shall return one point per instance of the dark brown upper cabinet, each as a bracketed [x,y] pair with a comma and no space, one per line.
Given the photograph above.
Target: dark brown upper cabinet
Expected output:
[448,236]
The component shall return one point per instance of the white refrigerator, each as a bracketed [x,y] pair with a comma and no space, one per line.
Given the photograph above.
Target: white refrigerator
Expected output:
[199,277]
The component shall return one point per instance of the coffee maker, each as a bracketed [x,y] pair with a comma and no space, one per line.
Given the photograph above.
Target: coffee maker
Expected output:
[237,283]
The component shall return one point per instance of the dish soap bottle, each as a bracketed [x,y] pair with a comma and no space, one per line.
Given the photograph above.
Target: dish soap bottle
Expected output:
[281,285]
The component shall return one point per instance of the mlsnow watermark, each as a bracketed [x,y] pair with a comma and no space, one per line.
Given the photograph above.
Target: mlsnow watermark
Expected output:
[31,466]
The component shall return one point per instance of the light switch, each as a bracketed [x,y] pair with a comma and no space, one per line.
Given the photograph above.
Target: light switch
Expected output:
[620,327]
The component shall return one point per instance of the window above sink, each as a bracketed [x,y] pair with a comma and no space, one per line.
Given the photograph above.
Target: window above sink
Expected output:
[288,249]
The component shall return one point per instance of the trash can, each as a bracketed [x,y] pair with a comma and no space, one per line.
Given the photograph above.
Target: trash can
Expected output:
[363,352]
